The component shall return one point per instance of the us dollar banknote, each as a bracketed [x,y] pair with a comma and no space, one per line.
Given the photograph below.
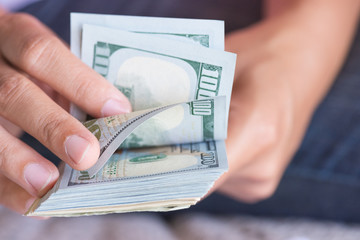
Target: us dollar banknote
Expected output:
[150,179]
[157,71]
[177,123]
[168,73]
[207,33]
[168,153]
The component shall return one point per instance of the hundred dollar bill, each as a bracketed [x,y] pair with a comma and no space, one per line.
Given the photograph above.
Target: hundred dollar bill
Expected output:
[158,71]
[178,123]
[150,179]
[207,33]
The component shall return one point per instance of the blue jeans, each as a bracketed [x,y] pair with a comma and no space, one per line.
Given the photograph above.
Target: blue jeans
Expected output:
[323,179]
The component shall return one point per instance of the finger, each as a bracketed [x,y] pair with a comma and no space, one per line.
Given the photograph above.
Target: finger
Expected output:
[259,177]
[13,196]
[2,11]
[246,142]
[240,149]
[30,46]
[25,166]
[252,175]
[248,191]
[55,96]
[23,103]
[10,127]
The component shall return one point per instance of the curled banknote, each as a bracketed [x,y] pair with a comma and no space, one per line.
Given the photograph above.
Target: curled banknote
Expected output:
[195,121]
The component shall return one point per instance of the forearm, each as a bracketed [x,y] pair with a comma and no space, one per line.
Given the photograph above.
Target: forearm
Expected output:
[323,31]
[314,35]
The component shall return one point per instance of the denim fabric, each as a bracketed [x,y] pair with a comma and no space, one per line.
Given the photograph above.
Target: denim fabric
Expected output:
[237,14]
[322,180]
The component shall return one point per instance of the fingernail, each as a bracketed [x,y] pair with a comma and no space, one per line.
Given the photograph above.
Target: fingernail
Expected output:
[37,176]
[76,148]
[113,107]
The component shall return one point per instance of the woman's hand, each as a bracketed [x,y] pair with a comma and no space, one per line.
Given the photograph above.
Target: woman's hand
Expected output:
[35,66]
[285,65]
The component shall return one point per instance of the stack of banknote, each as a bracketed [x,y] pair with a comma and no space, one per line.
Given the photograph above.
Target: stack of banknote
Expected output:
[169,151]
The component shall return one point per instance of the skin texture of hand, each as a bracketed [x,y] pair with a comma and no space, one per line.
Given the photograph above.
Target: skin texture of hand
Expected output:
[285,65]
[39,76]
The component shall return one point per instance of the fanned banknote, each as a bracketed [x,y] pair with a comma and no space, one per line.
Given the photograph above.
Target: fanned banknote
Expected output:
[168,153]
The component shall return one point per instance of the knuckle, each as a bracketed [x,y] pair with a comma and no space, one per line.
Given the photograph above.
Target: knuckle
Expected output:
[16,20]
[22,18]
[262,191]
[82,88]
[263,178]
[263,183]
[12,88]
[4,19]
[270,170]
[35,50]
[267,190]
[50,126]
[254,186]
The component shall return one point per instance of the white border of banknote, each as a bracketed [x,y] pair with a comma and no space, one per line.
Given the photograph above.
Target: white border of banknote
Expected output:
[152,25]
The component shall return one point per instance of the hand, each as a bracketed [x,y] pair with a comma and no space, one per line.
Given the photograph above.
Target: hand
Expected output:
[285,66]
[266,124]
[35,66]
